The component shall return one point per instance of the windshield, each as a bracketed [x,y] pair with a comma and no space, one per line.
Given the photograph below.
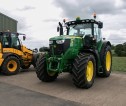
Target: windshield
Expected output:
[80,29]
[10,40]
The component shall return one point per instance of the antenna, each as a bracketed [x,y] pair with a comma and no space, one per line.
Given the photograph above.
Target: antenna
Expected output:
[94,12]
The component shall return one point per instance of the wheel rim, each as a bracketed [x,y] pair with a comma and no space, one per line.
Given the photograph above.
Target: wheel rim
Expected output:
[108,61]
[89,71]
[12,66]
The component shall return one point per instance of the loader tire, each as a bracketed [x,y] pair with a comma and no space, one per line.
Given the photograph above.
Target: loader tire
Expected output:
[84,68]
[106,61]
[34,60]
[41,70]
[11,66]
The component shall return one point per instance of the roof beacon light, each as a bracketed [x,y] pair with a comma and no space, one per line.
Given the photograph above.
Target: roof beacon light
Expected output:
[78,18]
[94,15]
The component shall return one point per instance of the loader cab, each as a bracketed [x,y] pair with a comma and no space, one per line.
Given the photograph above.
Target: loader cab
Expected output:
[10,40]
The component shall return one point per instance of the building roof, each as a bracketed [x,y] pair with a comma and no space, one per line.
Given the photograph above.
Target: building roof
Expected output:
[8,17]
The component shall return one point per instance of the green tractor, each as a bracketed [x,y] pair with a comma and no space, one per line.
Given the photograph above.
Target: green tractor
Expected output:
[79,50]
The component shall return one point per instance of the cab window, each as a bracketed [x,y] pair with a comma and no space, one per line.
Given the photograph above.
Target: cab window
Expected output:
[6,40]
[15,41]
[97,32]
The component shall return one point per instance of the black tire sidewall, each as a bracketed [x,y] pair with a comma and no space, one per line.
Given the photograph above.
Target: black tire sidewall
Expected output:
[34,59]
[80,68]
[103,61]
[41,70]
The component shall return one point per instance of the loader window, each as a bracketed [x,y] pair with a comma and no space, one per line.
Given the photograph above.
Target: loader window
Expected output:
[15,43]
[6,40]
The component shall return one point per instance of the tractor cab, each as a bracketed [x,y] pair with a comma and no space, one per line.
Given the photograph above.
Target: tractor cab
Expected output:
[10,40]
[84,27]
[88,29]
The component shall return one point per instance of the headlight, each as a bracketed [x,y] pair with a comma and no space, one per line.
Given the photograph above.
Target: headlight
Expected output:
[51,42]
[60,41]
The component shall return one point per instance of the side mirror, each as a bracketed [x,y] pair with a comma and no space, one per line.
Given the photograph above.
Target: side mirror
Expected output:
[24,37]
[58,29]
[104,38]
[100,25]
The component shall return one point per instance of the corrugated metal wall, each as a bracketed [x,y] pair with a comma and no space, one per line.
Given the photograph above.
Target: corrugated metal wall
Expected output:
[7,23]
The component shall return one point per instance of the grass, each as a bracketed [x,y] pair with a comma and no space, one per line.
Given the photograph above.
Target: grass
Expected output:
[119,64]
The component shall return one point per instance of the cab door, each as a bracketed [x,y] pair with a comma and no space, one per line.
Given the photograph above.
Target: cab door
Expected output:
[15,43]
[97,36]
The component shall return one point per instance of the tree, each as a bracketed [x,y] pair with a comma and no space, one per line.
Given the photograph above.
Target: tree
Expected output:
[124,46]
[118,49]
[112,47]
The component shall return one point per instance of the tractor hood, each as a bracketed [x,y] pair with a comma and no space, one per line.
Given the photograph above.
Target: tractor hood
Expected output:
[64,43]
[63,37]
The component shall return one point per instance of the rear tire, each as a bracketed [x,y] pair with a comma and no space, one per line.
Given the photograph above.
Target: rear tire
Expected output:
[106,61]
[10,66]
[84,68]
[41,70]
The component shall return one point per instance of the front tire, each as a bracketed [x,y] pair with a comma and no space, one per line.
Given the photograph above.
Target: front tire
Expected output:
[41,70]
[84,68]
[106,61]
[10,66]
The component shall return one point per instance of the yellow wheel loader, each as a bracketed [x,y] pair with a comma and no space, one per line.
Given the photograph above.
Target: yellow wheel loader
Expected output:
[13,54]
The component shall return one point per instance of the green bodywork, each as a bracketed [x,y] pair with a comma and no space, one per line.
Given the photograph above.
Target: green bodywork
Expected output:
[65,59]
[63,62]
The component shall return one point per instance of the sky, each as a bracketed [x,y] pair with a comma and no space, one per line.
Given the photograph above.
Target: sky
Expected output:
[38,19]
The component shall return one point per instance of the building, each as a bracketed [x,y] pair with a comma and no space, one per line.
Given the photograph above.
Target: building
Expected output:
[7,23]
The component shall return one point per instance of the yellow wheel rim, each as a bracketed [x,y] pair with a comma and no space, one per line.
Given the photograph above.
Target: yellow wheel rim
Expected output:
[108,61]
[89,71]
[12,66]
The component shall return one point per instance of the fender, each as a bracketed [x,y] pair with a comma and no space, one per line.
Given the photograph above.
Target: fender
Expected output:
[5,55]
[95,54]
[105,43]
